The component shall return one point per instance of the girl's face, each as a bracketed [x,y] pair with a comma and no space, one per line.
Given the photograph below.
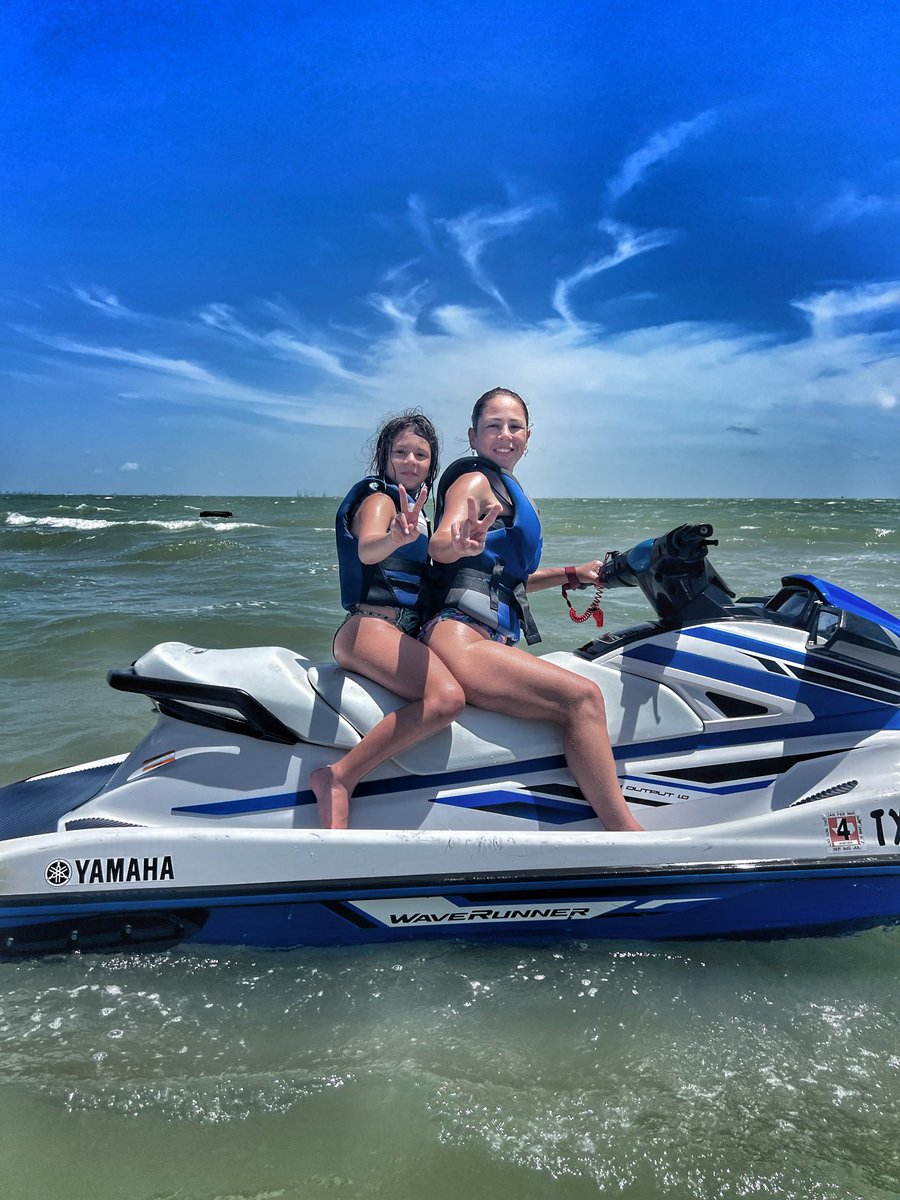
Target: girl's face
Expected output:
[502,432]
[409,460]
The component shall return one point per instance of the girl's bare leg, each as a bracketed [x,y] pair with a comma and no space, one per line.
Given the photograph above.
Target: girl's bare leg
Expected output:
[508,680]
[381,652]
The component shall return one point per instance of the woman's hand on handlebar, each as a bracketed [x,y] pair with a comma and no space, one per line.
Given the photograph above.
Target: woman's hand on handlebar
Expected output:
[589,572]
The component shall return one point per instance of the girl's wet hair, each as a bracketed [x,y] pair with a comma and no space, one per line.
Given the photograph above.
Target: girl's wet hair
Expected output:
[482,401]
[414,421]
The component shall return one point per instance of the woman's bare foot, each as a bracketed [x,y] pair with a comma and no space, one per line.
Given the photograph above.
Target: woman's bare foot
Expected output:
[332,799]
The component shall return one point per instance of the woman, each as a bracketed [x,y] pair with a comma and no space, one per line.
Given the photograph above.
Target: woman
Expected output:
[382,541]
[486,549]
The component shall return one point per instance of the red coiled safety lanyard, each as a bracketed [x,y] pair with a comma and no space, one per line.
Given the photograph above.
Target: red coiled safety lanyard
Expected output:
[593,609]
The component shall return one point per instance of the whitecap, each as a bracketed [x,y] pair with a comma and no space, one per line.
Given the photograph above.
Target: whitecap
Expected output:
[84,524]
[77,523]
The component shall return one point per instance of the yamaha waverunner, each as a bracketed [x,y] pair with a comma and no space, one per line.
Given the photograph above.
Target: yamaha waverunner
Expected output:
[757,740]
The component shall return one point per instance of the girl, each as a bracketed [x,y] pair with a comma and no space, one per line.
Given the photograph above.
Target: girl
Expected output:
[382,541]
[486,549]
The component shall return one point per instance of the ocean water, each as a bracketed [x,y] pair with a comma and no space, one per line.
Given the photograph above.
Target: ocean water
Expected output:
[570,1070]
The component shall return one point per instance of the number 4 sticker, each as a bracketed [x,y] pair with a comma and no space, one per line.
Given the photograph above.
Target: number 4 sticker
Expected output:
[844,831]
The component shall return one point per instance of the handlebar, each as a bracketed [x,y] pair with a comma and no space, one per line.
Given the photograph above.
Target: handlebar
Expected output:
[691,541]
[672,572]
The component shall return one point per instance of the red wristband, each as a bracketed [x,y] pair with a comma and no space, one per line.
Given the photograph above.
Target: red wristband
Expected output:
[572,577]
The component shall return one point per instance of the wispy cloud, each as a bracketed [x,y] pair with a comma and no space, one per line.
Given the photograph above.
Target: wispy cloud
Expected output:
[402,309]
[157,363]
[850,205]
[655,150]
[627,243]
[419,219]
[185,382]
[102,300]
[835,311]
[474,231]
[221,317]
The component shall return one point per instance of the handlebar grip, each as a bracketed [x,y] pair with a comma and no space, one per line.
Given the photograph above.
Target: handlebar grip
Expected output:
[692,539]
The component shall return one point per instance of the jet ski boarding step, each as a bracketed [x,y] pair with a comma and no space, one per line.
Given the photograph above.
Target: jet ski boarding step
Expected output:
[37,805]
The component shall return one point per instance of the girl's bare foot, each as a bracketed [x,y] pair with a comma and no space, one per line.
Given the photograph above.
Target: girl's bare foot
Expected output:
[332,799]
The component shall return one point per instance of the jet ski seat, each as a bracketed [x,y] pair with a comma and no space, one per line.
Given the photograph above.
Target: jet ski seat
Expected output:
[277,694]
[272,692]
[260,690]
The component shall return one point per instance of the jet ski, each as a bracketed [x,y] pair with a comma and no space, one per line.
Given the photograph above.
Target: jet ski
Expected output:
[757,741]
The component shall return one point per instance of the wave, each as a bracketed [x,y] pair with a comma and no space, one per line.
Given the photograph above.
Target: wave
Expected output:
[18,520]
[89,508]
[166,552]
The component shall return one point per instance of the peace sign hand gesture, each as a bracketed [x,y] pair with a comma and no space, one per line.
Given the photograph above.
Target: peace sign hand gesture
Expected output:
[468,536]
[404,528]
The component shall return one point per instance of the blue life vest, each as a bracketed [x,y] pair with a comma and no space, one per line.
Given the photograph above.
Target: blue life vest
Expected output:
[491,586]
[398,581]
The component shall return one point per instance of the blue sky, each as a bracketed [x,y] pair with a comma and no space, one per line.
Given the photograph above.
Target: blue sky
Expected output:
[235,235]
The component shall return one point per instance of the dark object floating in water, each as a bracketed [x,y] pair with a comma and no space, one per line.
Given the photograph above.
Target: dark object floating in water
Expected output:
[215,512]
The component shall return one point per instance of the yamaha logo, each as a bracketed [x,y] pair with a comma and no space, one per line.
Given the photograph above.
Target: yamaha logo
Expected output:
[153,869]
[58,873]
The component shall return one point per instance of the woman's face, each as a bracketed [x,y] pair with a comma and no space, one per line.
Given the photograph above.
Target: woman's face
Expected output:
[502,432]
[409,460]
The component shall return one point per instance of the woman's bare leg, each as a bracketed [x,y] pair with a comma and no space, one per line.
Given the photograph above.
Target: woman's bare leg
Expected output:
[381,652]
[508,680]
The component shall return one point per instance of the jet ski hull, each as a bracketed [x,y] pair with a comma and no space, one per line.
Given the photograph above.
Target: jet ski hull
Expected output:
[807,871]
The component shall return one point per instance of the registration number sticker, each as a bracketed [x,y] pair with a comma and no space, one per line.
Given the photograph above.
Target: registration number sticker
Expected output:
[844,831]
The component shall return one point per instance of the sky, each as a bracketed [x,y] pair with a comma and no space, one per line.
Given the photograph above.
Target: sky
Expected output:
[236,235]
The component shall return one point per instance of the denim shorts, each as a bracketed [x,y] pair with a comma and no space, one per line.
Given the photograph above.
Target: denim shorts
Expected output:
[407,620]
